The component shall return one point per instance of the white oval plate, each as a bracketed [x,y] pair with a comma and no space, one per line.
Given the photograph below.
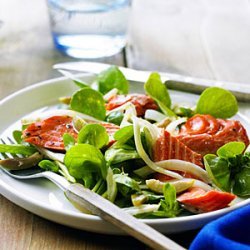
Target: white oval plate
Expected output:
[43,198]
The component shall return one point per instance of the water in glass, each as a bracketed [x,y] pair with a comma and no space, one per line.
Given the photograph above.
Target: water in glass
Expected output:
[89,28]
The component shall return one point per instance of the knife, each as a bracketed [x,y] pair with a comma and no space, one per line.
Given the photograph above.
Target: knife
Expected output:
[172,81]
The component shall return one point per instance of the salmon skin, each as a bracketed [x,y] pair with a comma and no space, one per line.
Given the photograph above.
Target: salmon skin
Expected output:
[141,102]
[205,134]
[49,133]
[169,147]
[205,201]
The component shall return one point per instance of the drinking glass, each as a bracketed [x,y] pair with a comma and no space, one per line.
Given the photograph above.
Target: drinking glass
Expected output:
[89,28]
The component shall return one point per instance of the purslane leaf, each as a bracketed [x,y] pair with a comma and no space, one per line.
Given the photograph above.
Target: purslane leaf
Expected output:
[158,91]
[126,185]
[169,206]
[83,159]
[68,141]
[231,149]
[93,134]
[17,149]
[89,102]
[230,171]
[49,165]
[218,170]
[76,80]
[111,185]
[112,78]
[217,102]
[118,155]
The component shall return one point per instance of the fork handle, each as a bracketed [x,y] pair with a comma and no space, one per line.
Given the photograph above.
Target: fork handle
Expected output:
[98,205]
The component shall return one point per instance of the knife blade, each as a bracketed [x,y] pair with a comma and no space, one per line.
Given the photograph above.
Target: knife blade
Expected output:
[172,81]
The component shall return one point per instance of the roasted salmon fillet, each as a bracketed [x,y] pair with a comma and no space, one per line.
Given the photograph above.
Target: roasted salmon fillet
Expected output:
[169,147]
[49,133]
[206,201]
[141,102]
[205,134]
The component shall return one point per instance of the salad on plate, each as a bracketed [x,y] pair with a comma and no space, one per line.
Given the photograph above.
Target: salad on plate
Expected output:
[148,155]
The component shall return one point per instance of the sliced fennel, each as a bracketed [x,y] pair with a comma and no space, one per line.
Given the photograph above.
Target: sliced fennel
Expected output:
[171,128]
[185,166]
[110,94]
[154,115]
[111,186]
[154,131]
[180,185]
[64,171]
[142,209]
[200,184]
[143,172]
[178,165]
[120,108]
[51,155]
[78,123]
[130,111]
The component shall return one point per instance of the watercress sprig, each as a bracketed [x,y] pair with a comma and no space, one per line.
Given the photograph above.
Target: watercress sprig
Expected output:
[217,102]
[230,168]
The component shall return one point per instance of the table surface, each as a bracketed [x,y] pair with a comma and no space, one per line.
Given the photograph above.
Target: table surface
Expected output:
[27,55]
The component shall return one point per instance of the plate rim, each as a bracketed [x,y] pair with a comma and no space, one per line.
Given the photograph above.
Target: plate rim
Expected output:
[78,215]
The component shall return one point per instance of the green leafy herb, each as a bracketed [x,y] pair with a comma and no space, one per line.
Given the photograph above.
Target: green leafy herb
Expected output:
[231,149]
[93,134]
[112,78]
[152,197]
[147,141]
[121,154]
[230,170]
[78,123]
[68,141]
[184,112]
[83,159]
[169,206]
[97,185]
[218,170]
[49,165]
[158,91]
[242,181]
[111,186]
[217,102]
[17,135]
[65,172]
[102,189]
[89,102]
[145,197]
[77,81]
[17,149]
[89,180]
[115,117]
[124,134]
[125,184]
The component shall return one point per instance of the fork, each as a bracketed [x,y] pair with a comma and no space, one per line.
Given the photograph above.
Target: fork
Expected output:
[87,199]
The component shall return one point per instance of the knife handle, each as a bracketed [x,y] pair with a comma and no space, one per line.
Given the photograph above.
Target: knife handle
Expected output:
[98,205]
[192,85]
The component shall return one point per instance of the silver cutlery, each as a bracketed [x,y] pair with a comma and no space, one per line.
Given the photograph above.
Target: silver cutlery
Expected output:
[87,199]
[172,81]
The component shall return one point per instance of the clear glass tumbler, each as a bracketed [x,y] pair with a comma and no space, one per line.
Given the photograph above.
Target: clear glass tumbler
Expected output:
[89,28]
